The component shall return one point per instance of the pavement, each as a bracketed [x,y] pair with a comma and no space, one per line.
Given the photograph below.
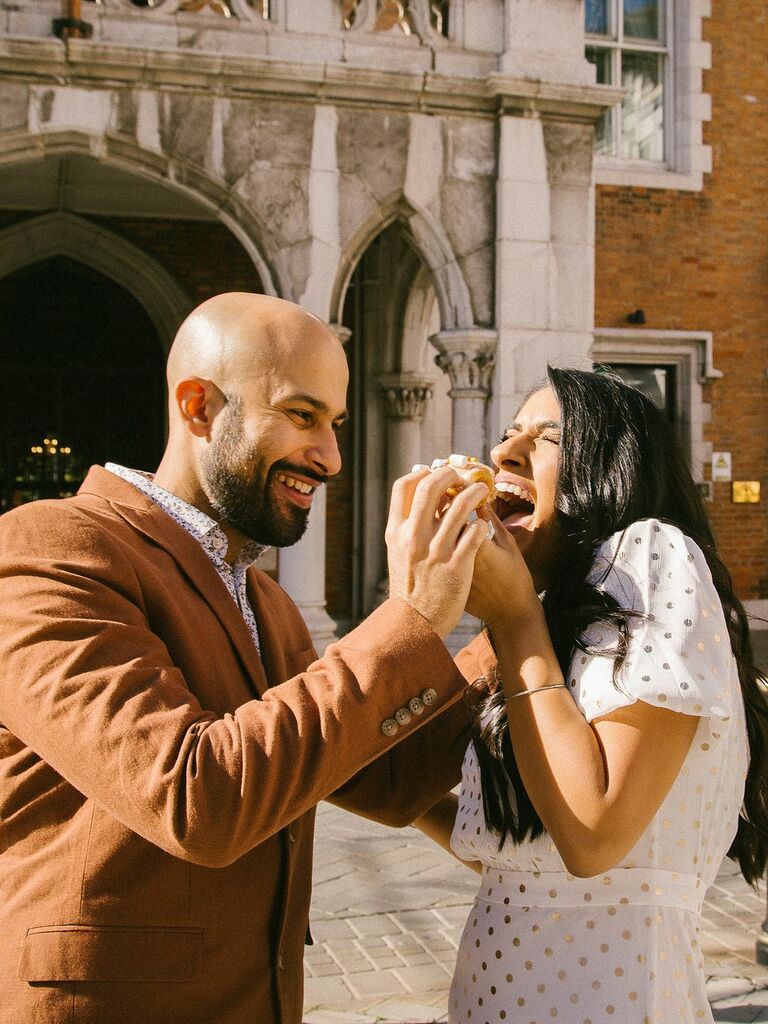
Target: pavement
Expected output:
[389,907]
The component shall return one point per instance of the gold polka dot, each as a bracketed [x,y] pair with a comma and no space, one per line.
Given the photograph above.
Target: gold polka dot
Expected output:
[626,934]
[632,996]
[603,947]
[610,1009]
[541,988]
[574,998]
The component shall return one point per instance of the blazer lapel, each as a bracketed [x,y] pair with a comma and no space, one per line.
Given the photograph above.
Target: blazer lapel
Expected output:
[281,642]
[150,520]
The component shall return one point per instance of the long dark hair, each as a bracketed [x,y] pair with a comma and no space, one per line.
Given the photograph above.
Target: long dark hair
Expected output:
[620,461]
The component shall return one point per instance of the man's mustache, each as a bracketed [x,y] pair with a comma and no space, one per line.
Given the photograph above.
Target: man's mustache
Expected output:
[288,468]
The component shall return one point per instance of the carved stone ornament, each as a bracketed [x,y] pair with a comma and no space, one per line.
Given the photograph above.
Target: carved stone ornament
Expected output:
[423,18]
[258,10]
[470,372]
[405,397]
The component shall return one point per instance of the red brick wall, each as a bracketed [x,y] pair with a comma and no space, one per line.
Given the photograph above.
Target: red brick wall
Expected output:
[699,261]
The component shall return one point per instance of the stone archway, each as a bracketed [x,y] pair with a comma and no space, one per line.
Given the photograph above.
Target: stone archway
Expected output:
[82,378]
[64,234]
[168,174]
[397,396]
[431,243]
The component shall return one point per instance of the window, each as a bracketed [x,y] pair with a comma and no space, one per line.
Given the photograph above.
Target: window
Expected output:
[657,381]
[627,44]
[670,367]
[653,50]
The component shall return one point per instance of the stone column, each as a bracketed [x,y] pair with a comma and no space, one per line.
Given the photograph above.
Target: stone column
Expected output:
[468,357]
[405,399]
[302,567]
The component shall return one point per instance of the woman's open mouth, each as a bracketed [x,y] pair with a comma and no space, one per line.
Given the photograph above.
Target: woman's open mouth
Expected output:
[515,506]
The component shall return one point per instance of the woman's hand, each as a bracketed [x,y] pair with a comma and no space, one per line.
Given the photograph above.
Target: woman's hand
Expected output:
[502,588]
[431,552]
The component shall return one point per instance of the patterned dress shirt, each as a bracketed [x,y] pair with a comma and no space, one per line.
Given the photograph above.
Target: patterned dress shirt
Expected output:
[209,536]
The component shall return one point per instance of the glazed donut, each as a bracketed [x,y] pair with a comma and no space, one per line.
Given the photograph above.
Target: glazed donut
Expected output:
[470,469]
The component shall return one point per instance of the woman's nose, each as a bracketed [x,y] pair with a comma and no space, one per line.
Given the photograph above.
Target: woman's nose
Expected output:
[509,452]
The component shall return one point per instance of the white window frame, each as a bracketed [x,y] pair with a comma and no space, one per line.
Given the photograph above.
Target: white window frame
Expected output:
[686,108]
[690,352]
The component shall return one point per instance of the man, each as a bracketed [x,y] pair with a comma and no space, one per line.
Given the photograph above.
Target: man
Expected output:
[165,734]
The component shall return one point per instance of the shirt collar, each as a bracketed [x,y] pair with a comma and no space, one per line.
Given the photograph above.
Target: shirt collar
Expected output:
[193,519]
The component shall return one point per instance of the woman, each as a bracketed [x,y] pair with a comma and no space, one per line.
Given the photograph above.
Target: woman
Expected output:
[620,722]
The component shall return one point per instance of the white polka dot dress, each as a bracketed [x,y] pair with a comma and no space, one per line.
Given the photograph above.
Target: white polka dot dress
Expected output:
[541,945]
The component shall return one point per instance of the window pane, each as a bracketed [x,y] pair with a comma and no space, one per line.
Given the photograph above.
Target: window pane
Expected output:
[601,58]
[657,382]
[642,110]
[641,19]
[596,17]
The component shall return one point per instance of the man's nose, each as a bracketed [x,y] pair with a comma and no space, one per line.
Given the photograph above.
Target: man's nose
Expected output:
[325,454]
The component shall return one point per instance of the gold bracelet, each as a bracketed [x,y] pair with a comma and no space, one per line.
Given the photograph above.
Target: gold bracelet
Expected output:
[537,689]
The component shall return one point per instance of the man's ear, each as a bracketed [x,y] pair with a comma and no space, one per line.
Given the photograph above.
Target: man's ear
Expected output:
[199,401]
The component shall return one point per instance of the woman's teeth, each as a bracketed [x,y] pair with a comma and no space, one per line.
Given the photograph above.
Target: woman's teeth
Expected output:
[297,485]
[503,487]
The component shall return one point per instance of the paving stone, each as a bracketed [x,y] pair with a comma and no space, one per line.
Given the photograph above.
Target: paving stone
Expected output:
[319,992]
[376,983]
[428,978]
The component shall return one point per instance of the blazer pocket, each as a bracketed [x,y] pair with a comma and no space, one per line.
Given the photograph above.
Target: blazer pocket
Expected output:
[74,952]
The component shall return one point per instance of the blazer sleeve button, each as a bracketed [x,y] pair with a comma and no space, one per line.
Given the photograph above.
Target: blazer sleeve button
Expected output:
[389,727]
[403,716]
[429,697]
[416,706]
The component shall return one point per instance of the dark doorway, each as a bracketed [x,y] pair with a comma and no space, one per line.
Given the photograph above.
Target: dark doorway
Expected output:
[82,380]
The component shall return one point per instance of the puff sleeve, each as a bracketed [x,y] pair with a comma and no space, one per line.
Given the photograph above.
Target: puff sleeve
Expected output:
[679,654]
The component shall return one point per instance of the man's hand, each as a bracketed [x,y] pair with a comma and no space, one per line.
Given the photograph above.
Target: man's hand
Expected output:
[431,556]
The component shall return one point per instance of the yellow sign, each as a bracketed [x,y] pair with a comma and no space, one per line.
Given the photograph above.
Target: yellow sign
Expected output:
[746,491]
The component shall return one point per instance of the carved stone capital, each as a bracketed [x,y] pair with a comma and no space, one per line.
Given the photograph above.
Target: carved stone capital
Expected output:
[405,396]
[468,357]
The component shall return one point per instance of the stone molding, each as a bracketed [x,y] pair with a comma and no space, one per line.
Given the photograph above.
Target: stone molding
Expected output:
[405,396]
[64,234]
[469,358]
[85,63]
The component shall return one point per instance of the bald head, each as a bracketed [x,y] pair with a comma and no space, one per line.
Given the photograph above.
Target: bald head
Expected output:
[237,336]
[257,391]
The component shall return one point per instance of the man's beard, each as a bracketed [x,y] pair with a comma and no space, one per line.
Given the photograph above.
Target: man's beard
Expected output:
[241,489]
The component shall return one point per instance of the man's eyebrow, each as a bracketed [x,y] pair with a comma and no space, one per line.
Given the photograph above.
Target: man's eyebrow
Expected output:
[316,403]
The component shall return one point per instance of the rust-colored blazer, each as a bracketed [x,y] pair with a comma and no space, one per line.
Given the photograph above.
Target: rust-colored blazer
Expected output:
[158,779]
